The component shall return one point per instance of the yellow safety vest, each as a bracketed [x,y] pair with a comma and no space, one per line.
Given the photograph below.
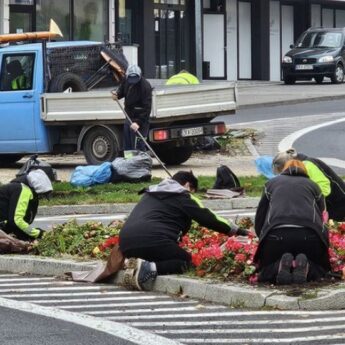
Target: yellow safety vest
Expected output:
[183,78]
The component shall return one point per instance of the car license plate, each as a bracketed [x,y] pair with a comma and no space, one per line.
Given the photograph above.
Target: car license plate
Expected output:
[304,67]
[191,132]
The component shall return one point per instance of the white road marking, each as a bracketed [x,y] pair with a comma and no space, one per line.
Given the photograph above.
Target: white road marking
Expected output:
[251,330]
[262,341]
[75,300]
[289,140]
[58,288]
[122,331]
[28,280]
[229,322]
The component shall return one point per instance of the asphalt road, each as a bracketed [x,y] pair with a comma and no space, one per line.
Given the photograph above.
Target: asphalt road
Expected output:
[23,328]
[314,128]
[181,320]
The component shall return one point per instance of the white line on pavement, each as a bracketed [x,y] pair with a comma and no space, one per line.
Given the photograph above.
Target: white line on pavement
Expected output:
[251,330]
[64,288]
[122,331]
[288,141]
[262,341]
[70,294]
[230,322]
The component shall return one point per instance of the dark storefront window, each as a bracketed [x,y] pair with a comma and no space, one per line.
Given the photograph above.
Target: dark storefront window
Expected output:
[90,20]
[125,20]
[59,11]
[77,19]
[171,38]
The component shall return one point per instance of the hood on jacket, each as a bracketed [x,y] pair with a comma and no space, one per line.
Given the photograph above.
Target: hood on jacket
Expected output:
[133,74]
[39,181]
[167,186]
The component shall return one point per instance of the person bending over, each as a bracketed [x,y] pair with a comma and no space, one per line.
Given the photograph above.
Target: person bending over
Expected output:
[331,185]
[158,222]
[293,241]
[19,203]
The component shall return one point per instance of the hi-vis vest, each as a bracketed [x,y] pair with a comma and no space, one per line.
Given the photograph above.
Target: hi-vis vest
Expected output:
[18,83]
[183,78]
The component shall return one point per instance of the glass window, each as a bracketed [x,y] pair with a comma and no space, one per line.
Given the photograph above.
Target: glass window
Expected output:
[125,21]
[17,72]
[320,39]
[59,11]
[90,20]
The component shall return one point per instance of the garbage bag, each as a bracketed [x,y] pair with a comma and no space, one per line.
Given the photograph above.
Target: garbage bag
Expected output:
[34,163]
[90,175]
[264,166]
[136,168]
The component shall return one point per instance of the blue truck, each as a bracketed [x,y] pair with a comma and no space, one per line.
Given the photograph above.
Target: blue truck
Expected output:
[39,116]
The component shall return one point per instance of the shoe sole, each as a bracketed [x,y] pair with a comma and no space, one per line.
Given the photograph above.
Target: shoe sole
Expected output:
[300,273]
[131,277]
[284,277]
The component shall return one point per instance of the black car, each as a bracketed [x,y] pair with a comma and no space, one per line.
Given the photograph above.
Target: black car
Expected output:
[318,53]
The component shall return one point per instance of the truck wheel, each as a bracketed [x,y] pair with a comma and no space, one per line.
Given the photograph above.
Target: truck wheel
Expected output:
[101,145]
[174,155]
[67,80]
[9,159]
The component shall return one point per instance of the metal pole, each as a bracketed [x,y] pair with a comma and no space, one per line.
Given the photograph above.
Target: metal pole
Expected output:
[143,139]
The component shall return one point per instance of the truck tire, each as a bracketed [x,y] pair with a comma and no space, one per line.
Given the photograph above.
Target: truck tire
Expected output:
[9,159]
[174,155]
[67,80]
[101,144]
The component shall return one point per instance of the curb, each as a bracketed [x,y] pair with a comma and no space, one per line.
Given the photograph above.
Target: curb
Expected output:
[215,205]
[231,294]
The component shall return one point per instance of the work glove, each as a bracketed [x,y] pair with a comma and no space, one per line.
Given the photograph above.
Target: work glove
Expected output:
[242,232]
[114,95]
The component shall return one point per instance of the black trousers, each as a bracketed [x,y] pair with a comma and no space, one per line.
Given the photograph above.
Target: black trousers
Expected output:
[294,241]
[20,235]
[131,141]
[169,259]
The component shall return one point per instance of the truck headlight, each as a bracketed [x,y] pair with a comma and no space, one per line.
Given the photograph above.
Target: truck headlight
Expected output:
[327,58]
[287,59]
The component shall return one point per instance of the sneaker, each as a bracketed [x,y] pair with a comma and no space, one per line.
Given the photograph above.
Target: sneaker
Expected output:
[144,275]
[284,276]
[300,272]
[130,267]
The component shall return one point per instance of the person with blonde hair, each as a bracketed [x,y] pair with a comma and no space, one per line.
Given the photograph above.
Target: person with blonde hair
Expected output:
[331,185]
[293,242]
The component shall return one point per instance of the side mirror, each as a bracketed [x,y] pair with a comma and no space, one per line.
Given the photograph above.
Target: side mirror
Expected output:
[292,46]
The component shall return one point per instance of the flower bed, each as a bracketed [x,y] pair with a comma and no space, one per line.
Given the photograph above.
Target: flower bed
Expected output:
[214,255]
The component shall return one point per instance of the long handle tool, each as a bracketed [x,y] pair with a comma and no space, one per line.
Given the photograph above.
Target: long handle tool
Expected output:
[143,139]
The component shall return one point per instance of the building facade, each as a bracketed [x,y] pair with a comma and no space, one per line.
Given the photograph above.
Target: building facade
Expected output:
[215,39]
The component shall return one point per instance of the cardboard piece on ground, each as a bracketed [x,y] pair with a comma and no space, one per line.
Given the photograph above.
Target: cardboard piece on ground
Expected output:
[221,194]
[103,270]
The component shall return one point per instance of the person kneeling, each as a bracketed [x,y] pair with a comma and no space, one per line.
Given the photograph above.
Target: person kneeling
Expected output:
[150,236]
[293,241]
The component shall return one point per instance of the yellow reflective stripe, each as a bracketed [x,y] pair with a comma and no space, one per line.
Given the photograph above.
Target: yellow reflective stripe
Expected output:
[316,175]
[221,219]
[197,200]
[21,208]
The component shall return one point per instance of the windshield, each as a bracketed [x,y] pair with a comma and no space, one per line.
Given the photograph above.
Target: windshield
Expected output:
[320,39]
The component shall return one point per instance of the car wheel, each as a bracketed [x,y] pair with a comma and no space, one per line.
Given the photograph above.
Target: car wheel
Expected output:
[289,80]
[319,79]
[338,76]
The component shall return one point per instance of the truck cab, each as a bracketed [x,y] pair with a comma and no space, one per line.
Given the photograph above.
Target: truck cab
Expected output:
[21,84]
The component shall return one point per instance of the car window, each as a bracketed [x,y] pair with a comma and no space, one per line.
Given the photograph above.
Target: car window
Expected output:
[320,39]
[17,72]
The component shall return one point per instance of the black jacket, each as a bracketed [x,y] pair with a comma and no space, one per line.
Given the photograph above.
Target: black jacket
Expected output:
[164,215]
[335,201]
[138,100]
[291,199]
[18,206]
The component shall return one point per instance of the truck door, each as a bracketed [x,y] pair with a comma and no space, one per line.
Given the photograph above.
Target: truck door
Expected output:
[17,103]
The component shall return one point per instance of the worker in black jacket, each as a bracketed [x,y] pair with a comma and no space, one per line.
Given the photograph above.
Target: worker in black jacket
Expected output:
[158,222]
[293,242]
[137,92]
[19,203]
